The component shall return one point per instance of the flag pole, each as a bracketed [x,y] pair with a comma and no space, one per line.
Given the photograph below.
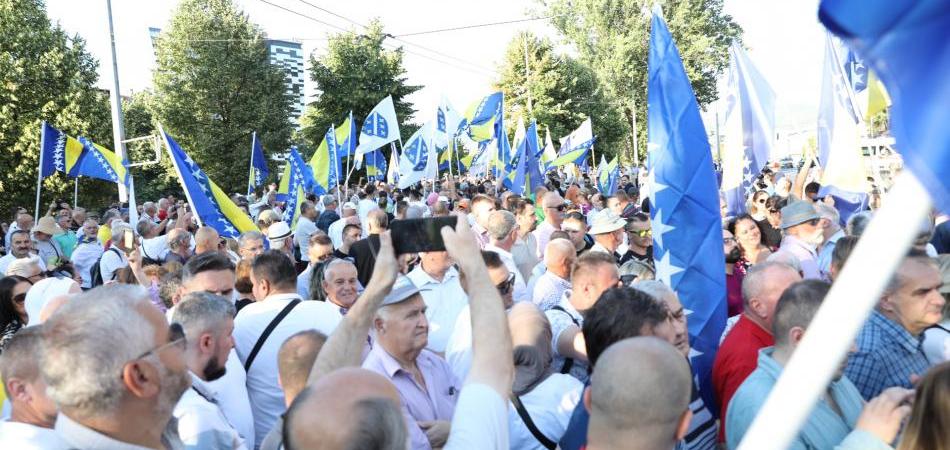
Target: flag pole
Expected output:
[39,171]
[842,314]
[118,122]
[250,171]
[76,192]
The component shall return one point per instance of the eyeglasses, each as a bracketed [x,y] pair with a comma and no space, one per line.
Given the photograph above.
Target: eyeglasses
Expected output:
[641,233]
[19,298]
[176,337]
[560,207]
[506,286]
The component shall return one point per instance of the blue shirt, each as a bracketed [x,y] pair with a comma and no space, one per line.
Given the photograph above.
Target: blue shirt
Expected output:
[887,356]
[825,429]
[824,255]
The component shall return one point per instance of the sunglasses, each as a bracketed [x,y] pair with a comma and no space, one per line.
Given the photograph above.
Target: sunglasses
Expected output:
[560,207]
[641,233]
[506,286]
[176,337]
[19,298]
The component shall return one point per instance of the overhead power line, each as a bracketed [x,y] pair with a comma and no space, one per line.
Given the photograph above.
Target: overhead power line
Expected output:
[480,25]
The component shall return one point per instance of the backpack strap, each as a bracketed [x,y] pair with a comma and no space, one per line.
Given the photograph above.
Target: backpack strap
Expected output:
[526,418]
[568,362]
[267,331]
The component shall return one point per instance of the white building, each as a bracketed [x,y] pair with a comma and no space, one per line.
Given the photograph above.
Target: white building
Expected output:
[289,57]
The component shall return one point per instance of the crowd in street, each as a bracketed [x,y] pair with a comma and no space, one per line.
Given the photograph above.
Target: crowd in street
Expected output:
[542,325]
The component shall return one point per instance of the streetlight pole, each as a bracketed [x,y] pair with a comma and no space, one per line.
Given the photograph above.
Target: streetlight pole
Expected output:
[118,123]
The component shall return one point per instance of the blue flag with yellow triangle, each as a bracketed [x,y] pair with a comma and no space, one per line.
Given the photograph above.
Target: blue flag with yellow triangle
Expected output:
[78,157]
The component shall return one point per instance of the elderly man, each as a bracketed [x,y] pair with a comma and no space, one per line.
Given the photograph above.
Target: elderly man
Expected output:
[525,250]
[336,228]
[87,252]
[47,247]
[889,346]
[607,230]
[837,421]
[832,232]
[639,240]
[206,240]
[553,206]
[124,397]
[179,246]
[329,214]
[208,320]
[425,382]
[550,287]
[19,246]
[502,233]
[340,284]
[319,249]
[482,207]
[364,251]
[250,244]
[442,293]
[154,244]
[803,234]
[761,288]
[275,287]
[626,408]
[32,414]
[23,222]
[594,273]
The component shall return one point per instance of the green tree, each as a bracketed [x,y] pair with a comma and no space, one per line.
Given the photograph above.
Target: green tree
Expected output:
[563,93]
[612,36]
[354,75]
[214,86]
[44,75]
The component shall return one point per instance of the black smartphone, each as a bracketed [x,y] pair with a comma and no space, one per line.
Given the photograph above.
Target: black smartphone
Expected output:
[420,235]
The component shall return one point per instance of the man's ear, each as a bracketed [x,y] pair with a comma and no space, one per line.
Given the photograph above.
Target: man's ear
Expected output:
[587,399]
[683,426]
[141,379]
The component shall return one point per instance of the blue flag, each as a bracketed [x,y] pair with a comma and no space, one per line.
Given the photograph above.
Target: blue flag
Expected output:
[300,182]
[258,165]
[528,174]
[906,44]
[78,157]
[376,166]
[208,202]
[687,228]
[749,129]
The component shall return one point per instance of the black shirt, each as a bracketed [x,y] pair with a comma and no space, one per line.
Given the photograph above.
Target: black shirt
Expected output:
[630,255]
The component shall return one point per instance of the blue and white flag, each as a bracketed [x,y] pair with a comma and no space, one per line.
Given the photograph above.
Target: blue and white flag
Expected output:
[749,130]
[379,127]
[575,146]
[417,157]
[392,174]
[844,176]
[258,165]
[905,43]
[687,227]
[608,176]
[300,181]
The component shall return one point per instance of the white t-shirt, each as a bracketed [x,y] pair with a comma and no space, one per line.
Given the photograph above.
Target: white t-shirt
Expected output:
[267,398]
[336,233]
[458,351]
[480,420]
[362,210]
[550,405]
[232,398]
[444,301]
[23,436]
[155,248]
[84,256]
[305,228]
[113,259]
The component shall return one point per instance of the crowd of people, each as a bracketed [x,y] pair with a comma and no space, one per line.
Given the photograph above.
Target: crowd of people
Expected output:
[540,325]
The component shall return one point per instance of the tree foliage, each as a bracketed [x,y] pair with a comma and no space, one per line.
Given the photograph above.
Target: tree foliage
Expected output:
[354,75]
[612,36]
[563,92]
[214,86]
[44,75]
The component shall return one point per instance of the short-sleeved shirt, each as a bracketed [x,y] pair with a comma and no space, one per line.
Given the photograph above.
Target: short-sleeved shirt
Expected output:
[806,254]
[737,357]
[305,228]
[548,290]
[201,423]
[434,401]
[887,356]
[444,301]
[550,405]
[542,235]
[481,422]
[561,319]
[112,260]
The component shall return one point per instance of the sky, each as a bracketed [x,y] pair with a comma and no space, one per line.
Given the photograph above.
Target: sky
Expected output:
[784,40]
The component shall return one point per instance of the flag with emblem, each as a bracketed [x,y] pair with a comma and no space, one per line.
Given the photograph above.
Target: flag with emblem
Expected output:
[77,157]
[687,227]
[749,130]
[325,164]
[416,157]
[375,165]
[258,165]
[210,204]
[299,181]
[379,127]
[576,146]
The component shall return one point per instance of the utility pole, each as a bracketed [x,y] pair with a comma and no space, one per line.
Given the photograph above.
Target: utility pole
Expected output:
[527,74]
[118,123]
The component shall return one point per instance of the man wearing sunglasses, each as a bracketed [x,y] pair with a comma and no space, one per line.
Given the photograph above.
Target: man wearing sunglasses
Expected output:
[123,397]
[639,240]
[553,206]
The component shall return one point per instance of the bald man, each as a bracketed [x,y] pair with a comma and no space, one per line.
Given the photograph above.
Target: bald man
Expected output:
[639,396]
[294,361]
[206,240]
[342,399]
[559,257]
[553,206]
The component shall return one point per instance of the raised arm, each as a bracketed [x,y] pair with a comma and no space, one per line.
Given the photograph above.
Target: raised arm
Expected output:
[491,340]
[344,347]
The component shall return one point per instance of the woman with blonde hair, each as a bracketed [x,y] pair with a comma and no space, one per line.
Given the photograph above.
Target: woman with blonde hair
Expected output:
[929,425]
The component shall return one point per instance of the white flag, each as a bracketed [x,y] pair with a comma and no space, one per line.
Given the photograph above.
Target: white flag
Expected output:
[416,157]
[379,128]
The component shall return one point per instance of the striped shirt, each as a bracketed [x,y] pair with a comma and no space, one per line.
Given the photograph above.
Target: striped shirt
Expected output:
[887,356]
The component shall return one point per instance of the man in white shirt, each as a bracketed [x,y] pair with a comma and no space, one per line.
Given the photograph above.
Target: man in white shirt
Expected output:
[115,257]
[20,246]
[305,228]
[154,244]
[87,252]
[251,244]
[607,230]
[559,258]
[482,207]
[275,282]
[553,205]
[319,249]
[502,233]
[525,250]
[32,414]
[208,321]
[336,228]
[24,221]
[366,204]
[442,293]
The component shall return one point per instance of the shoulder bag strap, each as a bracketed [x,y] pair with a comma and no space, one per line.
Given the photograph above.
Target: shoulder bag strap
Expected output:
[526,418]
[267,331]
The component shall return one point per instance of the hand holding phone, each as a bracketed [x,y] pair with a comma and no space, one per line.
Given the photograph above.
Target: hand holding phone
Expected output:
[420,235]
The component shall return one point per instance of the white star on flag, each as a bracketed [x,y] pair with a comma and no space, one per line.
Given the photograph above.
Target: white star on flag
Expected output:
[665,270]
[659,228]
[654,186]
